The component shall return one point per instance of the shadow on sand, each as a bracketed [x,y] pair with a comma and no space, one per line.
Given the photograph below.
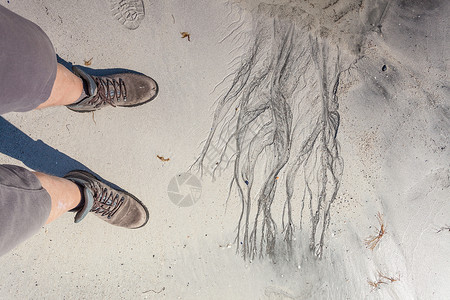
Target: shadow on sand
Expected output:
[36,154]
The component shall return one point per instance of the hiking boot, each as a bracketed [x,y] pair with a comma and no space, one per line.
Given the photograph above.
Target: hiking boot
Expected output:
[113,206]
[122,89]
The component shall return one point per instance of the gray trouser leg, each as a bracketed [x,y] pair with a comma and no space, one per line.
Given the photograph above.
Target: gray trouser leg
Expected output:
[24,206]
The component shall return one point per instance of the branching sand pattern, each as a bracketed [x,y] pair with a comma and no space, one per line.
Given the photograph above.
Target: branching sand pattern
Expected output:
[280,115]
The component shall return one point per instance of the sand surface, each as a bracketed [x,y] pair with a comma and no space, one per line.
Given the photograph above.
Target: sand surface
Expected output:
[320,114]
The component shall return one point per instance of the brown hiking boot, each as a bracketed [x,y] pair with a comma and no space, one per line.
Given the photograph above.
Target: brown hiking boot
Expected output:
[122,89]
[113,206]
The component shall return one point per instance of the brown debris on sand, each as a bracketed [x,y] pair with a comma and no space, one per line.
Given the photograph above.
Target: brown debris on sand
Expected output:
[373,240]
[382,279]
[162,158]
[185,34]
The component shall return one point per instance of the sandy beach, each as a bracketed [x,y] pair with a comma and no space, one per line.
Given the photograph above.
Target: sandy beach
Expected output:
[296,150]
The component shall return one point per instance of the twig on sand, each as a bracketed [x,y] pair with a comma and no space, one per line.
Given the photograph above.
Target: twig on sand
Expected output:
[162,158]
[186,34]
[445,228]
[372,241]
[88,62]
[156,292]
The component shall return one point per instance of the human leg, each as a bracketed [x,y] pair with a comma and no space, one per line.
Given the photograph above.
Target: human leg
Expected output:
[24,206]
[30,77]
[28,200]
[82,92]
[27,63]
[64,193]
[66,90]
[82,192]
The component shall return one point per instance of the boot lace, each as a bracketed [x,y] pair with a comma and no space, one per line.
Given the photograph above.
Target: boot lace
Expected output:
[108,90]
[106,203]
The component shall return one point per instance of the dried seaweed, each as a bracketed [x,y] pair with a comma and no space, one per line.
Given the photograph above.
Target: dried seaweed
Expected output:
[373,240]
[382,279]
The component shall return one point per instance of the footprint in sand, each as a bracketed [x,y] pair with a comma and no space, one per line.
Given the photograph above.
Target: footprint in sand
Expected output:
[129,13]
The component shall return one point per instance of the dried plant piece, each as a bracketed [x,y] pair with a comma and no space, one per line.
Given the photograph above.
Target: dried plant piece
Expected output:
[185,34]
[387,278]
[162,158]
[445,228]
[382,279]
[156,292]
[88,62]
[374,284]
[372,241]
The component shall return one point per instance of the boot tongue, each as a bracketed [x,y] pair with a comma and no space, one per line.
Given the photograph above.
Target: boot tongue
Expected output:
[89,84]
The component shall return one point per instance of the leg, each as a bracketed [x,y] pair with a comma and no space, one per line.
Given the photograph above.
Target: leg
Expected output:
[31,77]
[65,194]
[124,89]
[83,192]
[29,200]
[27,66]
[24,206]
[66,89]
